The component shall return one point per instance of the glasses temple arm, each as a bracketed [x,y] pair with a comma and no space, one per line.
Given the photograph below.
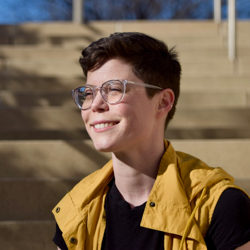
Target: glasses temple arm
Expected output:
[145,85]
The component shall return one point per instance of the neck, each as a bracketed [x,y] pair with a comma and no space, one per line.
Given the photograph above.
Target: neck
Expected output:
[136,170]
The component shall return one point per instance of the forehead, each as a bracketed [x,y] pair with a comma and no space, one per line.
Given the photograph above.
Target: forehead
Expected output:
[112,69]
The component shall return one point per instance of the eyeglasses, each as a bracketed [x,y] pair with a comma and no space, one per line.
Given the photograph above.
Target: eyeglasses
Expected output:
[111,91]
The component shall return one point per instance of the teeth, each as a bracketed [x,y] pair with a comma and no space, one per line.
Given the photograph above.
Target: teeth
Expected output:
[104,125]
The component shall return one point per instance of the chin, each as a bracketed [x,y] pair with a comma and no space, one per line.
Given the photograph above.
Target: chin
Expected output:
[103,150]
[103,147]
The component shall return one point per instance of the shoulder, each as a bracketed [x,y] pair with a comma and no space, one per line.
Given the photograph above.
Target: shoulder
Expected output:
[73,209]
[192,167]
[232,204]
[82,193]
[197,175]
[230,225]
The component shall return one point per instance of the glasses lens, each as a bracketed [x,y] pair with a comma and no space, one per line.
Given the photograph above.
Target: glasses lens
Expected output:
[113,91]
[84,97]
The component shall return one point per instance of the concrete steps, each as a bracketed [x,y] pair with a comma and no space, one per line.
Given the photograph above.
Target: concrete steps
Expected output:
[49,159]
[231,155]
[51,168]
[28,235]
[27,83]
[203,97]
[68,34]
[67,68]
[33,53]
[35,175]
[35,83]
[57,160]
[44,147]
[227,83]
[39,33]
[34,197]
[53,122]
[50,118]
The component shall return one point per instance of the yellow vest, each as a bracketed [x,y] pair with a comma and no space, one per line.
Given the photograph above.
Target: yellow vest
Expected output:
[184,184]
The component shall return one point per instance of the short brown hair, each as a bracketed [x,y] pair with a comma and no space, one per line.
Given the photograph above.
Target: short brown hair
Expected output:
[151,60]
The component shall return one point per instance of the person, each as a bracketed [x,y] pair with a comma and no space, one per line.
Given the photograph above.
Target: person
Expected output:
[148,196]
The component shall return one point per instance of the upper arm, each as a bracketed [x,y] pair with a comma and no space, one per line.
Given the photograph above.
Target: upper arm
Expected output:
[58,239]
[230,225]
[244,247]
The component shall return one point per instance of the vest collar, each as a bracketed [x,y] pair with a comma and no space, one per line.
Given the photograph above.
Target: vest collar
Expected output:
[172,209]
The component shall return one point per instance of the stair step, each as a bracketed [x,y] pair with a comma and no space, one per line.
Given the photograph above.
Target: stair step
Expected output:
[66,123]
[57,33]
[211,118]
[181,41]
[205,69]
[244,68]
[60,134]
[203,133]
[187,51]
[32,199]
[55,118]
[74,159]
[36,196]
[37,112]
[32,82]
[187,46]
[169,27]
[44,69]
[234,82]
[39,54]
[214,98]
[231,155]
[41,118]
[46,33]
[49,159]
[50,84]
[36,98]
[28,235]
[73,69]
[201,98]
[171,133]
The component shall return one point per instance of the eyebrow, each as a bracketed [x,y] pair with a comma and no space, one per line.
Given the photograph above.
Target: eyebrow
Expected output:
[89,85]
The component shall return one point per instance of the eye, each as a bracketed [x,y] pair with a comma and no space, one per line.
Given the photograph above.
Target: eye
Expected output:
[113,87]
[88,93]
[85,93]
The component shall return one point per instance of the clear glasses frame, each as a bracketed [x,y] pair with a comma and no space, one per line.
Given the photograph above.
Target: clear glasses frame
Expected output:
[81,94]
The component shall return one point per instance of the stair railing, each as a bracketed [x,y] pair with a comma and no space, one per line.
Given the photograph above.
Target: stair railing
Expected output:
[78,17]
[77,11]
[231,25]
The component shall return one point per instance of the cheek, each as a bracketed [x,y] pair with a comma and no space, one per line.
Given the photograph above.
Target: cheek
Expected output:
[133,118]
[84,115]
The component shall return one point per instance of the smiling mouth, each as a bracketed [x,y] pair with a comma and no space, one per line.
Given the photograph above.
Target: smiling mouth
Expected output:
[104,125]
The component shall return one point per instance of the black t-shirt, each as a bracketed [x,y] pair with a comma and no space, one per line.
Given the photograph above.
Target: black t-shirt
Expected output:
[123,231]
[229,228]
[230,225]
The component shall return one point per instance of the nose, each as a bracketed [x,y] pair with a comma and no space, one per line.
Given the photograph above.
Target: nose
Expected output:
[98,104]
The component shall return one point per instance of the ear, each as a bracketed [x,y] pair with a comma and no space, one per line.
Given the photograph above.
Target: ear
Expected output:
[166,101]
